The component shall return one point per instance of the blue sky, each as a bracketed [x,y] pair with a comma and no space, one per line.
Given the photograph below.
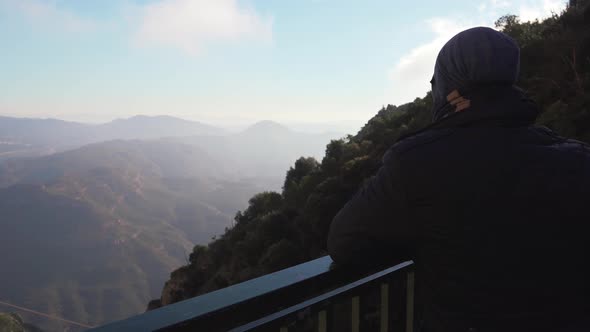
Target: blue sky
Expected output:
[228,61]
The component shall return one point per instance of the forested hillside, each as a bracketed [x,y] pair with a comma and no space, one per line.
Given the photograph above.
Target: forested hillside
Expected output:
[278,230]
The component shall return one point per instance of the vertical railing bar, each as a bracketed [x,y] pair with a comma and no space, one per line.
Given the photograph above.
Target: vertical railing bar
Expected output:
[355,314]
[410,302]
[384,307]
[322,321]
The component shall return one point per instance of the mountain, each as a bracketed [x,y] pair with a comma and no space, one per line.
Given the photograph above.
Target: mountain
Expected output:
[150,127]
[90,234]
[98,224]
[260,153]
[269,148]
[154,158]
[38,131]
[265,128]
[21,137]
[264,151]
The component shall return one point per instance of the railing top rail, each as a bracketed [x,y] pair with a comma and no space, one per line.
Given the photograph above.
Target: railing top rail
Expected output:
[232,296]
[320,298]
[217,300]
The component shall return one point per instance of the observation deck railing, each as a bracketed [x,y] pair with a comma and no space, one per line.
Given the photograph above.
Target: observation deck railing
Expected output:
[313,296]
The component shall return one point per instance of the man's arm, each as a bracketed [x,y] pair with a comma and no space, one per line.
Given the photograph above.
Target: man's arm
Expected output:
[374,226]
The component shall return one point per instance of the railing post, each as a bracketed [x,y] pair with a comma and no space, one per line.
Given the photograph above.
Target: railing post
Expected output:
[323,321]
[355,314]
[410,302]
[384,307]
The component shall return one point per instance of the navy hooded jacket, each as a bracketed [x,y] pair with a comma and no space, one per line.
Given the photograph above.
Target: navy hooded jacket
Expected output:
[492,209]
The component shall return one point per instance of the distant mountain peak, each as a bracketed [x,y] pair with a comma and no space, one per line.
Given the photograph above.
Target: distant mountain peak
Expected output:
[143,117]
[267,126]
[159,126]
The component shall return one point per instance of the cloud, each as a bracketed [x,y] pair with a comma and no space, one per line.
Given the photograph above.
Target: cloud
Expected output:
[191,24]
[411,75]
[48,15]
[540,10]
[499,4]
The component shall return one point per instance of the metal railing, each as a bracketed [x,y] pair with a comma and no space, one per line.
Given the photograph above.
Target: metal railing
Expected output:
[312,296]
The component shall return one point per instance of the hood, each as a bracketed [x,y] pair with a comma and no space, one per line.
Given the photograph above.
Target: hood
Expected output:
[472,60]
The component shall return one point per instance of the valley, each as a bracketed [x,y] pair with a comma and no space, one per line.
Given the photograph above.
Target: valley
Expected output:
[91,233]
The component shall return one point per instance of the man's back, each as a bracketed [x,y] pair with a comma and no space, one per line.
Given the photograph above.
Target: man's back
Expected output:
[493,211]
[501,224]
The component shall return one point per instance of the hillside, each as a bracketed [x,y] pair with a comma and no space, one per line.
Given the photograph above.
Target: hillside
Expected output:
[91,234]
[278,230]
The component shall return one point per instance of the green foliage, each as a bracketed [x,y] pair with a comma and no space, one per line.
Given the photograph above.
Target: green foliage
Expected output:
[555,68]
[11,323]
[524,32]
[261,204]
[280,230]
[14,323]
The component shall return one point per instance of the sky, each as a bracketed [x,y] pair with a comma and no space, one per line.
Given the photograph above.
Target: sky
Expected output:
[229,62]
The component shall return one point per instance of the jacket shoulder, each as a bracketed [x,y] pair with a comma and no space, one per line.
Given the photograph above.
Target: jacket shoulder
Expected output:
[419,139]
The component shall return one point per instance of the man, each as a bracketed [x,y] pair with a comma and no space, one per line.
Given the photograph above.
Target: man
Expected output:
[492,209]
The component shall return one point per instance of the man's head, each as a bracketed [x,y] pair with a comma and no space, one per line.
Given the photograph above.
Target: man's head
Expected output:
[473,58]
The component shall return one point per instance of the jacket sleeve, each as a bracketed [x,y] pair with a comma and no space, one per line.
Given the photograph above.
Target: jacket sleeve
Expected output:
[374,227]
